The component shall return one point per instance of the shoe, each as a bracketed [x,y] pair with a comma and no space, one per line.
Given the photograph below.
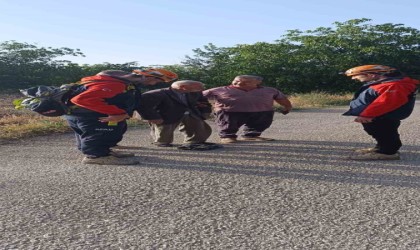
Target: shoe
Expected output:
[365,150]
[228,140]
[120,154]
[374,156]
[255,138]
[110,160]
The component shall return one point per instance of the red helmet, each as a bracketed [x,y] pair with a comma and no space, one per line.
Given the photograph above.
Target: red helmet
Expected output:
[163,74]
[369,69]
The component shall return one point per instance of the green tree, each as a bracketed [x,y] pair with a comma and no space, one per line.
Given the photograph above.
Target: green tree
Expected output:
[24,64]
[323,52]
[304,61]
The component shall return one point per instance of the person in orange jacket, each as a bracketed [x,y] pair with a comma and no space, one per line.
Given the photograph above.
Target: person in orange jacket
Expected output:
[386,98]
[100,112]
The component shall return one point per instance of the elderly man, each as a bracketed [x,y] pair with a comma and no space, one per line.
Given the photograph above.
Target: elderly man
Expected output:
[180,105]
[245,102]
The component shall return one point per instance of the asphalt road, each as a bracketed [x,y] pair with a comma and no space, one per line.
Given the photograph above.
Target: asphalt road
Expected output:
[299,192]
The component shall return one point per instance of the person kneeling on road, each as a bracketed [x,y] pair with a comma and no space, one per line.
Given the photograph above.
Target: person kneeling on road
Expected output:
[99,114]
[180,105]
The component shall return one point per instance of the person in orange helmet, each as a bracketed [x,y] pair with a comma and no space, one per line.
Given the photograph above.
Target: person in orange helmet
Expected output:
[386,98]
[99,115]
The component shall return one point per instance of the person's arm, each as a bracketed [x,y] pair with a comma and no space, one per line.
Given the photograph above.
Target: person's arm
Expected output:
[286,104]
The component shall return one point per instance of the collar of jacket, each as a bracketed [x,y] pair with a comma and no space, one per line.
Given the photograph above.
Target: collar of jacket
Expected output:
[388,79]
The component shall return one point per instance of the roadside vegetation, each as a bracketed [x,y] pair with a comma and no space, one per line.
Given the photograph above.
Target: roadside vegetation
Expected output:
[305,62]
[17,124]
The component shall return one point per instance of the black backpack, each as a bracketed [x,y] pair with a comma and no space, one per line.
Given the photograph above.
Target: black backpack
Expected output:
[49,100]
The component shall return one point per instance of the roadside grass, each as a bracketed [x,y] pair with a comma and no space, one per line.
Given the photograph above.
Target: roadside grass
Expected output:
[17,124]
[319,100]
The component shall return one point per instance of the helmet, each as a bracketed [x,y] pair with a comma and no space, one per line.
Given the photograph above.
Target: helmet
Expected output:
[165,75]
[369,69]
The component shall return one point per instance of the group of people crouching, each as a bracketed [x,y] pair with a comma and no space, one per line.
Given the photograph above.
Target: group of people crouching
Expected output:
[111,97]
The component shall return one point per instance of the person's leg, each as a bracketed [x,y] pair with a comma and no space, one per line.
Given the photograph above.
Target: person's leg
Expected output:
[385,132]
[228,123]
[98,137]
[163,134]
[195,130]
[72,122]
[257,122]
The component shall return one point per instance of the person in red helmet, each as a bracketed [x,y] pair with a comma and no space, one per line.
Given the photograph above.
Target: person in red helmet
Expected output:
[386,98]
[99,115]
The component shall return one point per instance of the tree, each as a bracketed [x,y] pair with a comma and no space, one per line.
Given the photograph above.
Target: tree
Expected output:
[304,61]
[23,64]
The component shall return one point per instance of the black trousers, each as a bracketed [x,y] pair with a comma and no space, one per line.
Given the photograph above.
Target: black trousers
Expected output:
[95,138]
[228,123]
[385,132]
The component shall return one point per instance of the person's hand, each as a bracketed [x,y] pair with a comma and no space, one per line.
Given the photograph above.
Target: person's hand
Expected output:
[157,121]
[363,119]
[114,118]
[285,111]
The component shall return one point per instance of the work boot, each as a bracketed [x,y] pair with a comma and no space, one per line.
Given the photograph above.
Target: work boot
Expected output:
[110,160]
[365,150]
[228,140]
[374,156]
[120,154]
[255,138]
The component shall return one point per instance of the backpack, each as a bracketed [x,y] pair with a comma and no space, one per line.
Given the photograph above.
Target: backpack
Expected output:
[49,100]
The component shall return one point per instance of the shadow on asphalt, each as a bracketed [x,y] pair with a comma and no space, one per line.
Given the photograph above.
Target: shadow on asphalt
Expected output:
[307,160]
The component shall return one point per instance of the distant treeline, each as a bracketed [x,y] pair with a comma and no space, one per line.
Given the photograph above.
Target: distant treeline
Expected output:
[298,62]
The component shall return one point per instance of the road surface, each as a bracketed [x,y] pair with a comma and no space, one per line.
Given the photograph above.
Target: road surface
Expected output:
[298,192]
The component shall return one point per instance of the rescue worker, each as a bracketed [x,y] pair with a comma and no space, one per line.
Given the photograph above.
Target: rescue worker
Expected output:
[386,98]
[101,110]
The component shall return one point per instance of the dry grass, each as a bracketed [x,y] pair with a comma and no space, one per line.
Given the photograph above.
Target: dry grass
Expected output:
[15,124]
[319,100]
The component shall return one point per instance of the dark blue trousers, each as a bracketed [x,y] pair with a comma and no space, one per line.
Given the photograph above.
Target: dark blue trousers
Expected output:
[385,132]
[95,138]
[254,123]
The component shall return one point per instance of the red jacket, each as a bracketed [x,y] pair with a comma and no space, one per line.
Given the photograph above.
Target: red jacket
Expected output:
[102,95]
[392,98]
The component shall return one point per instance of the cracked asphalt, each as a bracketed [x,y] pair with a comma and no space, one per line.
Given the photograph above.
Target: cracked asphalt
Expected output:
[298,192]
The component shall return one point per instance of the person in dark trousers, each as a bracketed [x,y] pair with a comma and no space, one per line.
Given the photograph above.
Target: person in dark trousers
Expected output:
[180,106]
[99,114]
[386,98]
[245,103]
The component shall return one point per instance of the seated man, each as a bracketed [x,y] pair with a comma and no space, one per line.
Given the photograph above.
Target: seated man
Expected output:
[180,105]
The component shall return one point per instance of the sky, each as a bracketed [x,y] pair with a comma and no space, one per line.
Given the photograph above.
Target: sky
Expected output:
[163,32]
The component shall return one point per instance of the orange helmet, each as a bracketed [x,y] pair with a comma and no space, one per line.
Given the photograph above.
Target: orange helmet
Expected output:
[165,75]
[369,69]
